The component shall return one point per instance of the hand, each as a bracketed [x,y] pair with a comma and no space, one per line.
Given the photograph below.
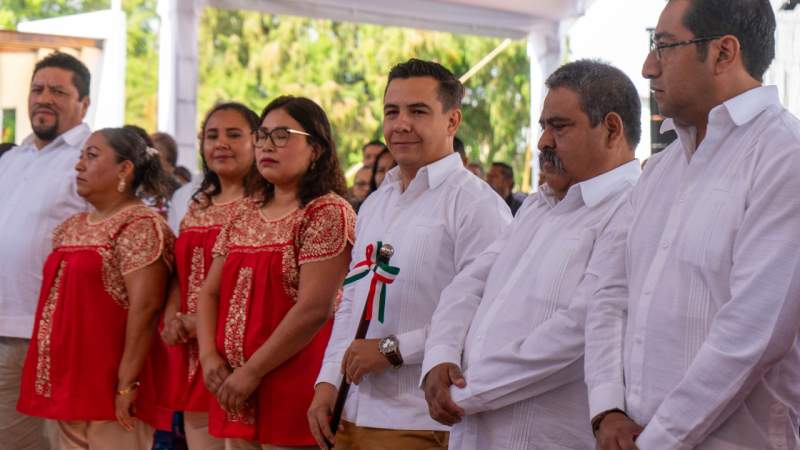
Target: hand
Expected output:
[237,388]
[189,324]
[175,331]
[617,432]
[215,371]
[362,358]
[437,384]
[319,414]
[124,409]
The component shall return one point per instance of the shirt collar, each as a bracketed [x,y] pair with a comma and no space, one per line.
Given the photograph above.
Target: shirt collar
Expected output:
[434,173]
[595,190]
[73,137]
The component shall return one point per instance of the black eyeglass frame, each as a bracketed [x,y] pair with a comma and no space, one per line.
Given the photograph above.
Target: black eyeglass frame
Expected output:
[260,136]
[658,47]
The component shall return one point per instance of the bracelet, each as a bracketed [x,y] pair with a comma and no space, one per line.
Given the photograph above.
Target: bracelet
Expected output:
[129,389]
[599,418]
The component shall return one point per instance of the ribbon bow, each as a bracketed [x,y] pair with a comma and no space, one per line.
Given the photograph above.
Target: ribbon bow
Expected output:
[382,274]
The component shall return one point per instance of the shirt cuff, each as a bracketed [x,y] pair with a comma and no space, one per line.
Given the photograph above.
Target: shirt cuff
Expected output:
[412,346]
[656,436]
[606,397]
[439,354]
[330,373]
[466,399]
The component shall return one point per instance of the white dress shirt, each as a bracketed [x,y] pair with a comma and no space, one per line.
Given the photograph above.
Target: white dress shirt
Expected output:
[694,327]
[38,193]
[179,203]
[515,318]
[443,220]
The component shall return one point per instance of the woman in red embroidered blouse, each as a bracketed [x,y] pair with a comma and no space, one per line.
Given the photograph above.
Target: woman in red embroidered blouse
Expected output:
[226,149]
[104,283]
[265,309]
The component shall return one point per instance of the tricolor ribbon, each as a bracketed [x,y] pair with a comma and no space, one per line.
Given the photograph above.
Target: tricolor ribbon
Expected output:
[382,274]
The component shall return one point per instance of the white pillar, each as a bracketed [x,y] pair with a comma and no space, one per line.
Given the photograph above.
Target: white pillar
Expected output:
[544,52]
[178,75]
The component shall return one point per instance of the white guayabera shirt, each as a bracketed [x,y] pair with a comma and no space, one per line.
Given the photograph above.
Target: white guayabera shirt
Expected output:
[37,187]
[514,321]
[443,220]
[694,328]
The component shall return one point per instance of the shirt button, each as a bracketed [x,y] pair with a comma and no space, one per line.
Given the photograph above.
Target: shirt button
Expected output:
[665,244]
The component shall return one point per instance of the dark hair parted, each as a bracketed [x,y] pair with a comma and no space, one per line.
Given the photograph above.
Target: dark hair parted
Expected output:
[148,176]
[752,22]
[211,185]
[450,91]
[324,175]
[602,89]
[81,78]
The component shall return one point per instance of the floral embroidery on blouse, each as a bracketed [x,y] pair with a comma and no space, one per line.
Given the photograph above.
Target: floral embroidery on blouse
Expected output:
[127,241]
[198,216]
[317,232]
[237,318]
[42,385]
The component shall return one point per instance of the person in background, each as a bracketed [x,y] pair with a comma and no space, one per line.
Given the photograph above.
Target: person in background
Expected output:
[168,152]
[183,175]
[370,151]
[6,146]
[458,147]
[104,284]
[226,150]
[383,163]
[266,306]
[501,179]
[37,180]
[361,185]
[476,169]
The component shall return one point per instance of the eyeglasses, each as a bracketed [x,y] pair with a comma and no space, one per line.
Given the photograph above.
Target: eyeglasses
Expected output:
[278,136]
[654,46]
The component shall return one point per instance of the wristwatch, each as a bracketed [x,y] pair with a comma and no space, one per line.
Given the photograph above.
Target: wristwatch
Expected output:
[390,348]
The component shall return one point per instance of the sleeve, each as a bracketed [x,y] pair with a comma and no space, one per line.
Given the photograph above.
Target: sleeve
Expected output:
[547,358]
[757,327]
[606,314]
[457,307]
[477,225]
[327,230]
[141,243]
[221,244]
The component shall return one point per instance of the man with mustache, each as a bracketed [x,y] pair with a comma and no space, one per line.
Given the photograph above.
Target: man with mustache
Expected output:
[692,335]
[38,182]
[439,218]
[504,358]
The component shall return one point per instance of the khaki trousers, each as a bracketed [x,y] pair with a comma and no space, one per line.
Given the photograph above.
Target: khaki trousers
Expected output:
[195,424]
[103,435]
[239,444]
[17,431]
[352,437]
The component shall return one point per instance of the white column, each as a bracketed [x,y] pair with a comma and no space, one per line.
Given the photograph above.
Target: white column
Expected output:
[544,52]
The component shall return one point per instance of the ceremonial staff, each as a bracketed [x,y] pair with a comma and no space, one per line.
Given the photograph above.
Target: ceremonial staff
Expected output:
[382,275]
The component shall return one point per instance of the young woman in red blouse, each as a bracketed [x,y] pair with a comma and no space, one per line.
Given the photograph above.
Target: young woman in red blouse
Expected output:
[266,307]
[103,286]
[226,149]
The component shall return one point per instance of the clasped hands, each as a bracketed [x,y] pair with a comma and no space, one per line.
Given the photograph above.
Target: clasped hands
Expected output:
[232,387]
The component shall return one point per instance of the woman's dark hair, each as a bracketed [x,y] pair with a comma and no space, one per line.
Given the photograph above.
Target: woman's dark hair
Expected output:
[373,185]
[211,186]
[325,175]
[170,182]
[148,175]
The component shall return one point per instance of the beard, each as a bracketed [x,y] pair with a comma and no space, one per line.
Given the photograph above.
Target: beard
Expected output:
[550,156]
[44,131]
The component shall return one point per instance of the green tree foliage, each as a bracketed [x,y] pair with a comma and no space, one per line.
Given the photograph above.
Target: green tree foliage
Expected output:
[254,57]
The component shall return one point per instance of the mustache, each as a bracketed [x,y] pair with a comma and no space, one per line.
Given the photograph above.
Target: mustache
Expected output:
[549,155]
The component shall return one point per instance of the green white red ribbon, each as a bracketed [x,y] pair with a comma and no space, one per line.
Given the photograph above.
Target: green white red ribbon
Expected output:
[382,275]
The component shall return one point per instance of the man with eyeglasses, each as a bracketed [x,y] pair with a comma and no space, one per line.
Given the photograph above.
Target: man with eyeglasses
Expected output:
[692,334]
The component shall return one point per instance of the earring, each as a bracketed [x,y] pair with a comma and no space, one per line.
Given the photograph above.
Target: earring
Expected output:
[313,165]
[121,185]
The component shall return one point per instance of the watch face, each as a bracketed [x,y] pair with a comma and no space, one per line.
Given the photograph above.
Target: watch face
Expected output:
[388,345]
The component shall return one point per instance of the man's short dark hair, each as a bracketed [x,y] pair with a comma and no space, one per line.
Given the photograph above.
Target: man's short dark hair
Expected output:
[751,21]
[458,147]
[374,142]
[168,146]
[450,91]
[507,170]
[602,89]
[81,78]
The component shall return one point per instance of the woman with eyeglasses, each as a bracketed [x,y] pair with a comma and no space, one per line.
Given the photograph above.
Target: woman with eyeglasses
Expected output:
[226,151]
[265,308]
[103,286]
